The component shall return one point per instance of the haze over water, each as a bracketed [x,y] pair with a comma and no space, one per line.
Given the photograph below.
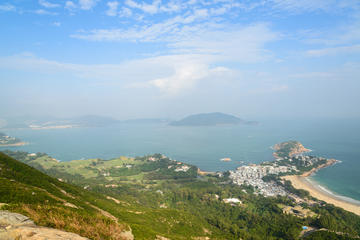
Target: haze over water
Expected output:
[205,146]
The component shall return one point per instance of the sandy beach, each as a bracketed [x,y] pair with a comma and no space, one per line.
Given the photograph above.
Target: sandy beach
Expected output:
[14,144]
[302,182]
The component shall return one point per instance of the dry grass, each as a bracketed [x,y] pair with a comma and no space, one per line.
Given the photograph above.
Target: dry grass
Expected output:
[93,226]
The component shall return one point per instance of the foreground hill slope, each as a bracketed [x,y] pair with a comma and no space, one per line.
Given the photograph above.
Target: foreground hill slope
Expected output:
[51,203]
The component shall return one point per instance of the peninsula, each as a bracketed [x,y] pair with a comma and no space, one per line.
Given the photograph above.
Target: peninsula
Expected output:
[269,178]
[8,141]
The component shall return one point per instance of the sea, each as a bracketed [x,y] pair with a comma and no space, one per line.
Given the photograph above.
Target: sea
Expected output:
[205,146]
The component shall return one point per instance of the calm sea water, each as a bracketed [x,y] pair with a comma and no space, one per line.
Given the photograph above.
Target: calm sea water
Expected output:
[205,146]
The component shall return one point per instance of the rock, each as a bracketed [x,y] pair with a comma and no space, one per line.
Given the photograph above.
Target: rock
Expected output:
[16,226]
[158,237]
[14,219]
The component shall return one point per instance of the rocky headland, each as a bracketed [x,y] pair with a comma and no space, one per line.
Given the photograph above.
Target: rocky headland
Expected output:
[289,149]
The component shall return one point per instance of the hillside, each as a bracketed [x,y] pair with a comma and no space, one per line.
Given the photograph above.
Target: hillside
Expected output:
[210,119]
[289,149]
[161,198]
[51,203]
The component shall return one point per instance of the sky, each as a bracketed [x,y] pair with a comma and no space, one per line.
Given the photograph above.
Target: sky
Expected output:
[144,59]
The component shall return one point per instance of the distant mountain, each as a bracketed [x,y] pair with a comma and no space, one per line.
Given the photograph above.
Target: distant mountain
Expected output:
[54,123]
[146,121]
[210,119]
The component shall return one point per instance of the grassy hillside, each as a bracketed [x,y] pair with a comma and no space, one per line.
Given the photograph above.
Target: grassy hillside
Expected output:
[155,200]
[52,203]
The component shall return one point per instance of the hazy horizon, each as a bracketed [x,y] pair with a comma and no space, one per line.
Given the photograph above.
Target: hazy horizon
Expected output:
[169,59]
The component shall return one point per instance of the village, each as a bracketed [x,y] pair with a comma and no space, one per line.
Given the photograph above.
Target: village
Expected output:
[253,174]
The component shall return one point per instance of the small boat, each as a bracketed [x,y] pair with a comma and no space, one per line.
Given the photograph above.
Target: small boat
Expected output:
[225,159]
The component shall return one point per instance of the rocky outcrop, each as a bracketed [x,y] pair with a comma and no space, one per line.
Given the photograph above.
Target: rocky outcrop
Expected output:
[14,226]
[289,149]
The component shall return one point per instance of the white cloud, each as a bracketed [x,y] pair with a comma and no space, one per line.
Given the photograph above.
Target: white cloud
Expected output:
[339,35]
[354,49]
[145,7]
[195,52]
[87,4]
[163,31]
[172,6]
[171,74]
[242,44]
[296,6]
[157,6]
[186,74]
[7,8]
[125,12]
[44,12]
[47,4]
[70,5]
[57,24]
[113,6]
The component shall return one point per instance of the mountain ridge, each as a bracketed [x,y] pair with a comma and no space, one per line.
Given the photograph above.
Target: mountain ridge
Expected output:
[211,119]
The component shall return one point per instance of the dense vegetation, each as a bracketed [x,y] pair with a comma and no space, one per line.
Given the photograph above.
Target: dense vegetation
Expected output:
[154,200]
[287,149]
[52,203]
[325,235]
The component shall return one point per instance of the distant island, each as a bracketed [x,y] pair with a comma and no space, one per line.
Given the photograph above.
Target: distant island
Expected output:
[211,119]
[88,121]
[7,141]
[289,149]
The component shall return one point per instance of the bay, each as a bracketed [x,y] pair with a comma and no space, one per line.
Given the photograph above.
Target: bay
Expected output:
[205,146]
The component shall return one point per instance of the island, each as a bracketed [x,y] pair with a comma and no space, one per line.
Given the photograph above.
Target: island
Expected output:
[289,149]
[211,119]
[8,141]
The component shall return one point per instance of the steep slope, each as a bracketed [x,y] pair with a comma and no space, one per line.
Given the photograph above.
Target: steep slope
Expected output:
[51,203]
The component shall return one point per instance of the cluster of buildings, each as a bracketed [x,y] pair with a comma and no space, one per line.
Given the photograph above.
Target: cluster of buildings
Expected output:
[305,161]
[182,168]
[252,175]
[6,139]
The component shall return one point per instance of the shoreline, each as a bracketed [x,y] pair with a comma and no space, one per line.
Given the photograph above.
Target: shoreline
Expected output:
[14,144]
[321,193]
[204,173]
[314,170]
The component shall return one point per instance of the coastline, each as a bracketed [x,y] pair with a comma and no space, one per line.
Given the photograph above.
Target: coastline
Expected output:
[321,193]
[204,173]
[14,144]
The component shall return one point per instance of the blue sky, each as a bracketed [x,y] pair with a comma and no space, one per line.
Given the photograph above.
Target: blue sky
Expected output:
[130,59]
